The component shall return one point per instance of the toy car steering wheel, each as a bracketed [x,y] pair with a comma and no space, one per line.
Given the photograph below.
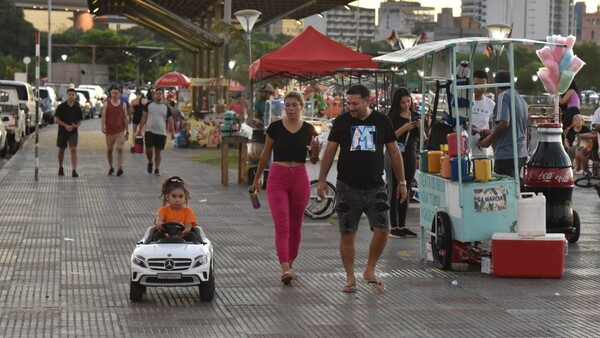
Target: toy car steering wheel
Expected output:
[172,228]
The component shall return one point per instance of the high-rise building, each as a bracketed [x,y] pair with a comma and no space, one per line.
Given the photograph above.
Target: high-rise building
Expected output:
[402,17]
[590,26]
[475,10]
[345,25]
[531,19]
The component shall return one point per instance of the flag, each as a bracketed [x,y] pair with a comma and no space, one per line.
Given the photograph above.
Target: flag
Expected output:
[488,51]
[393,41]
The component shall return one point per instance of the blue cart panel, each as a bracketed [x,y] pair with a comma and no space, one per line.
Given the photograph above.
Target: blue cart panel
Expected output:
[476,210]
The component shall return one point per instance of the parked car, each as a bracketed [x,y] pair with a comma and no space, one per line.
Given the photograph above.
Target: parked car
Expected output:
[86,108]
[48,103]
[89,97]
[26,102]
[3,141]
[99,92]
[13,118]
[589,97]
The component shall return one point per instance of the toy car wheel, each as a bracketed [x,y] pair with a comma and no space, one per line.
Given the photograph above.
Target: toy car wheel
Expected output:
[441,243]
[577,225]
[207,289]
[136,291]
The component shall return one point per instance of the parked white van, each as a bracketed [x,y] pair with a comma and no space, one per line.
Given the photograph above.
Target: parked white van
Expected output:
[26,102]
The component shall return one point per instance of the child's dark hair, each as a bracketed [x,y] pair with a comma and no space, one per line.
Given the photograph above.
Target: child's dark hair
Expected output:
[172,183]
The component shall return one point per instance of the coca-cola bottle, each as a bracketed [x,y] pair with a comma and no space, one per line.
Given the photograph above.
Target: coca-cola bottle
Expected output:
[549,171]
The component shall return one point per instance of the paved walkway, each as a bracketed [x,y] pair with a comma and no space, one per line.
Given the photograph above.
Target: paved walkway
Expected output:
[65,245]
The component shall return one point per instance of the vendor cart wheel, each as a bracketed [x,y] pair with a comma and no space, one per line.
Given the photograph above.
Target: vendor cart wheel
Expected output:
[320,208]
[577,226]
[441,243]
[587,181]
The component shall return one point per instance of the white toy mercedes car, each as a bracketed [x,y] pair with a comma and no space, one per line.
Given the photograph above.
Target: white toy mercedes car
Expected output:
[172,261]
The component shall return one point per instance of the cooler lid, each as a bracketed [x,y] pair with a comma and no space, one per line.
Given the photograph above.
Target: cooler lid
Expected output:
[515,236]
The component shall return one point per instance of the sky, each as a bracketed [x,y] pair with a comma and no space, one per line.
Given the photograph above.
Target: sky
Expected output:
[455,4]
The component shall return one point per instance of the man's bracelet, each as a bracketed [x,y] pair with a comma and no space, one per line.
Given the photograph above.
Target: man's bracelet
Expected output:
[401,182]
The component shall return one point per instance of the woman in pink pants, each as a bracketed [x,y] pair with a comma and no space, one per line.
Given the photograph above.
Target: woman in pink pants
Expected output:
[288,188]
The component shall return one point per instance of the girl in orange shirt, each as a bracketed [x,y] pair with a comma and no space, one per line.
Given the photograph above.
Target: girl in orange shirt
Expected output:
[175,196]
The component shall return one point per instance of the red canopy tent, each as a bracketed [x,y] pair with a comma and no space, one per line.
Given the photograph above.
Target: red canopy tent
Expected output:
[173,79]
[308,55]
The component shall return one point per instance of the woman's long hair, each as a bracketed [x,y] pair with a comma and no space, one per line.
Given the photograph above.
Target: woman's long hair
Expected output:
[398,95]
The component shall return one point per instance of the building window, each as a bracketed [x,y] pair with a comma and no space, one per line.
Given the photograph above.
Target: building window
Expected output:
[593,35]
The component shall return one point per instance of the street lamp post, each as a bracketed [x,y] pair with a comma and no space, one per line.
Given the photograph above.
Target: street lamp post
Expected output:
[534,78]
[26,61]
[407,41]
[247,18]
[498,31]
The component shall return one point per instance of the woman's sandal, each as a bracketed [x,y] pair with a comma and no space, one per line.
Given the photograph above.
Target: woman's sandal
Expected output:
[286,277]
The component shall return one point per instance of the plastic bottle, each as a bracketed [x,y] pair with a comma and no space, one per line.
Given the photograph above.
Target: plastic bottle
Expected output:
[254,198]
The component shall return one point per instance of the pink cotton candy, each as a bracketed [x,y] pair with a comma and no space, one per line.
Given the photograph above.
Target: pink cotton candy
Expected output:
[558,52]
[576,64]
[545,54]
[544,76]
[570,41]
[553,72]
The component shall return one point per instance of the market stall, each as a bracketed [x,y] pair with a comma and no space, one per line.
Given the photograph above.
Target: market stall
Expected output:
[459,210]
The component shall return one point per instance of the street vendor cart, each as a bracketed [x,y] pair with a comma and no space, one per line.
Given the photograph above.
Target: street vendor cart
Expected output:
[458,213]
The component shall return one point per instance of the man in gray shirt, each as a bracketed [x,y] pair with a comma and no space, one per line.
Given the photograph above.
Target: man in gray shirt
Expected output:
[501,137]
[156,118]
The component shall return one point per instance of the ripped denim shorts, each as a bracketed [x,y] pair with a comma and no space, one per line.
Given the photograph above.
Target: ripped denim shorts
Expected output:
[351,203]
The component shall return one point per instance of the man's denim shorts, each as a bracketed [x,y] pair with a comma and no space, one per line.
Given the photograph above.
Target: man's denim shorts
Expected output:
[351,203]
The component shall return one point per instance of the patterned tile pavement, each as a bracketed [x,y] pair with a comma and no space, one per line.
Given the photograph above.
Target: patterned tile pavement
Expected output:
[64,265]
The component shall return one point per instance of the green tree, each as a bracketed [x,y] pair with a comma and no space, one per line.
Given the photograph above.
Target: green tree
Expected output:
[17,36]
[587,77]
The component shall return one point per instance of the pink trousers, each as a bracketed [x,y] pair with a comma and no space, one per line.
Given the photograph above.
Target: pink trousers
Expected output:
[288,190]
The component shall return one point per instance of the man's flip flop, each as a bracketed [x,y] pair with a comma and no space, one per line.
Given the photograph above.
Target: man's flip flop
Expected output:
[349,288]
[376,285]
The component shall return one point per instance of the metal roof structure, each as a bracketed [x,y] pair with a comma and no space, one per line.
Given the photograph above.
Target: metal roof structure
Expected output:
[408,55]
[187,21]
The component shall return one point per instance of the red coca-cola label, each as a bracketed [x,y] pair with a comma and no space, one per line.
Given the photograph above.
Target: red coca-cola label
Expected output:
[549,177]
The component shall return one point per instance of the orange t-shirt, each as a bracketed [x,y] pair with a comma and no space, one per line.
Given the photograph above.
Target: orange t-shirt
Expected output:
[183,216]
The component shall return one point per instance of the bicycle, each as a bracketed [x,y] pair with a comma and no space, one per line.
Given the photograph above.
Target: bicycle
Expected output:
[591,178]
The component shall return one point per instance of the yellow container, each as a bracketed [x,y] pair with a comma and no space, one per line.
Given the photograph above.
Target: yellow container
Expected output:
[483,169]
[433,161]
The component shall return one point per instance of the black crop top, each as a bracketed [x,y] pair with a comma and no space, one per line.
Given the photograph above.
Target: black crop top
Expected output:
[290,146]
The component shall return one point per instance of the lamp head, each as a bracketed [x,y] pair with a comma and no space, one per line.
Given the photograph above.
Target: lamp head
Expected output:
[407,40]
[247,18]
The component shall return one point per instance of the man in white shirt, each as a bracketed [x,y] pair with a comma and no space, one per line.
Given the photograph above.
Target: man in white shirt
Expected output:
[483,108]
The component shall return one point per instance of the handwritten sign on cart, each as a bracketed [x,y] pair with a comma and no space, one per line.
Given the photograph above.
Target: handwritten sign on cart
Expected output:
[489,199]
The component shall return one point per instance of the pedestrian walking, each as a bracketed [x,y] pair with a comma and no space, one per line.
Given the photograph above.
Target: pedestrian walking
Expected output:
[137,105]
[361,135]
[115,128]
[157,120]
[288,187]
[406,124]
[68,116]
